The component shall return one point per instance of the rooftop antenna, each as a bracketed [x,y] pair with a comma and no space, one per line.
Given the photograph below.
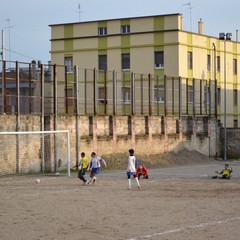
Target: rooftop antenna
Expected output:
[190,10]
[79,12]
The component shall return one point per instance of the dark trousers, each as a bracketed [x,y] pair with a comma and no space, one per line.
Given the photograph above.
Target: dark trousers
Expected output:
[81,174]
[144,176]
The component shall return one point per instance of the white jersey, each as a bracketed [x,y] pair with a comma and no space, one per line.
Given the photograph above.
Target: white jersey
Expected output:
[131,164]
[96,162]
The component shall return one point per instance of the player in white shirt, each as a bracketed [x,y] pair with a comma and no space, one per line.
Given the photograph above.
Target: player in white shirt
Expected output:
[131,168]
[95,166]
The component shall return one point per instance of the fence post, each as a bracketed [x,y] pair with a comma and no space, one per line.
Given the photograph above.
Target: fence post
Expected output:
[187,96]
[132,94]
[165,95]
[94,92]
[173,99]
[114,93]
[42,119]
[4,87]
[29,88]
[150,94]
[201,97]
[85,91]
[210,98]
[194,98]
[105,92]
[18,118]
[180,97]
[216,98]
[158,96]
[141,78]
[65,90]
[76,113]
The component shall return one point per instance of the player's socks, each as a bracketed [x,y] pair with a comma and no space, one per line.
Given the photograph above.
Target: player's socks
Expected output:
[137,181]
[129,183]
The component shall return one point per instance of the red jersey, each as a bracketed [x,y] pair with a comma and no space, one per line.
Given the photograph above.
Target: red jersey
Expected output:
[142,170]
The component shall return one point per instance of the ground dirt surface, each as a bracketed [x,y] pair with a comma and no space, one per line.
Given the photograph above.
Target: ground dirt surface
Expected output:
[178,201]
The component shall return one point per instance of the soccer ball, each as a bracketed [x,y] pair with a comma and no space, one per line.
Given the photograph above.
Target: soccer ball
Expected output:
[37,180]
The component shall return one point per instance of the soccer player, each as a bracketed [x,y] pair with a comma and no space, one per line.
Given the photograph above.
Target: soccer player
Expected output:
[83,166]
[95,167]
[225,173]
[142,171]
[131,169]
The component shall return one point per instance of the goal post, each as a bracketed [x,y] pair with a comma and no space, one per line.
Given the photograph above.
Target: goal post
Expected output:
[34,152]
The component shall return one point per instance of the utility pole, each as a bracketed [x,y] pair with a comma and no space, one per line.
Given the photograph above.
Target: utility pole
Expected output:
[9,37]
[3,48]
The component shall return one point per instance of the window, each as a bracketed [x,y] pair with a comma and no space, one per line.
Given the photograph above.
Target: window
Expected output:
[235,97]
[218,64]
[68,62]
[159,59]
[102,31]
[126,94]
[235,66]
[126,61]
[219,96]
[209,62]
[190,60]
[159,93]
[235,123]
[102,94]
[125,29]
[102,62]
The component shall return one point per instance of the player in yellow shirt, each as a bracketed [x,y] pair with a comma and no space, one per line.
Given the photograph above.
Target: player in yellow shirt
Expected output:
[225,173]
[83,166]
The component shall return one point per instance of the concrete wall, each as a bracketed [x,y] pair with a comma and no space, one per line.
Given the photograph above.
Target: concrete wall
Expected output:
[116,134]
[233,142]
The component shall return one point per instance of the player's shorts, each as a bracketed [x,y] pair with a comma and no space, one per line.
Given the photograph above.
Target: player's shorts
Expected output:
[95,170]
[131,174]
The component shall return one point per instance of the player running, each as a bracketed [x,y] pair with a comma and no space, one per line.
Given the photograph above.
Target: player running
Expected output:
[95,167]
[83,166]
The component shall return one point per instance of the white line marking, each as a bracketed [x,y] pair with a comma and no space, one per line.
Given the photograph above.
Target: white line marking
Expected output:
[185,228]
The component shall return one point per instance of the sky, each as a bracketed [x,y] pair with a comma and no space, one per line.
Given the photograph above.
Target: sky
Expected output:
[27,34]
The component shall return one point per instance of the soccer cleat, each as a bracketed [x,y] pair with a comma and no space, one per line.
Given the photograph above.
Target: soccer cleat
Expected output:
[89,182]
[94,179]
[139,188]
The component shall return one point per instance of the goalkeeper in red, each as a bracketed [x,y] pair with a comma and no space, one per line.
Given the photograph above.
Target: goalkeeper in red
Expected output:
[131,169]
[142,171]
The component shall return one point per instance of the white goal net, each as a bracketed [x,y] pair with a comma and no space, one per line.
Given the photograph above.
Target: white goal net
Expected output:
[34,152]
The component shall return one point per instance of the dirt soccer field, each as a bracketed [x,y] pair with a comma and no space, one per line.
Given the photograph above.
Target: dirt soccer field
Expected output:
[177,202]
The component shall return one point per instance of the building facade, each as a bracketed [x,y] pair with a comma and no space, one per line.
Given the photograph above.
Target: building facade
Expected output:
[155,45]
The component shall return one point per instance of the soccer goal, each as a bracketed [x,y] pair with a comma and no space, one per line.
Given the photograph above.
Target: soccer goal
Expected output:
[34,152]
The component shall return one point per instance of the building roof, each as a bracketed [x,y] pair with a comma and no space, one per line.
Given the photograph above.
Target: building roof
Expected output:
[115,19]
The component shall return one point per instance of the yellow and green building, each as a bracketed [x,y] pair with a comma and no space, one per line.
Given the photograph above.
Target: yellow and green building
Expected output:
[155,45]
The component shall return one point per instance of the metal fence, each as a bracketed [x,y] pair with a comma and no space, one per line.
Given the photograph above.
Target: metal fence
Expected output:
[35,88]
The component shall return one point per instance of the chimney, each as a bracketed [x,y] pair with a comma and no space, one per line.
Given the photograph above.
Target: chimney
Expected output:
[200,26]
